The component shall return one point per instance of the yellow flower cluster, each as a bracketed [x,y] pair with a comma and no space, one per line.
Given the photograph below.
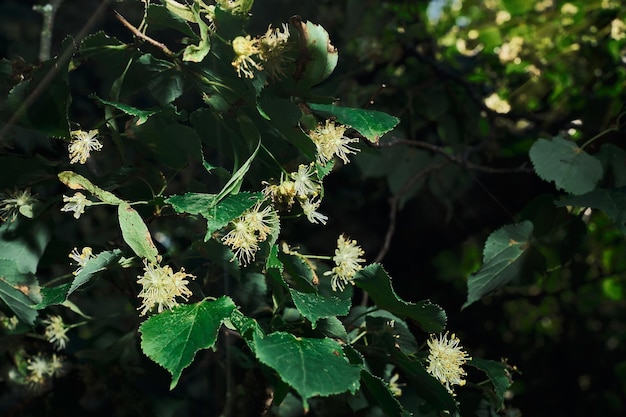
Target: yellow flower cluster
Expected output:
[347,259]
[264,52]
[82,144]
[248,230]
[445,359]
[330,141]
[160,287]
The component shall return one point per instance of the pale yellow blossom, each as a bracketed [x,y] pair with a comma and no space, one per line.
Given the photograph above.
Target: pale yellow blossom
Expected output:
[82,144]
[618,29]
[497,104]
[17,202]
[76,203]
[309,208]
[161,286]
[81,258]
[56,332]
[330,141]
[305,180]
[445,360]
[245,49]
[347,259]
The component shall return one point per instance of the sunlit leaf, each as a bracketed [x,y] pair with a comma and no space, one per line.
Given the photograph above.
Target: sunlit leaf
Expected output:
[502,260]
[173,337]
[370,123]
[77,182]
[141,115]
[567,165]
[314,306]
[375,280]
[53,295]
[321,56]
[313,367]
[136,233]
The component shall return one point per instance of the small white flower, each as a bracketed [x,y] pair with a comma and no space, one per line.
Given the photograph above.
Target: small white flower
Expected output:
[56,332]
[305,186]
[161,286]
[330,141]
[445,360]
[495,103]
[16,202]
[82,144]
[245,48]
[347,260]
[76,203]
[81,258]
[248,230]
[309,208]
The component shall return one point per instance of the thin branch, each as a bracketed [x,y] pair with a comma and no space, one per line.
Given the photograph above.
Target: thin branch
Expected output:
[145,37]
[48,12]
[394,203]
[457,159]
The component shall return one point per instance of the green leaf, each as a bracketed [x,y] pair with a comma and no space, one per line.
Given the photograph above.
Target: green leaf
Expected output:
[228,209]
[19,291]
[141,115]
[370,123]
[502,260]
[93,267]
[375,280]
[611,202]
[319,58]
[498,375]
[159,16]
[314,306]
[136,233]
[23,242]
[53,295]
[173,337]
[380,392]
[196,53]
[427,386]
[613,161]
[78,182]
[567,165]
[192,203]
[310,366]
[299,273]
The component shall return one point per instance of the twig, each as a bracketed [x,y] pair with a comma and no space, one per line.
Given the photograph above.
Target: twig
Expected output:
[457,158]
[47,79]
[394,202]
[143,36]
[48,12]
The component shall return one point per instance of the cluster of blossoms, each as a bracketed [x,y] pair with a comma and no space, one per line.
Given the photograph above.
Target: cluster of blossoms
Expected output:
[445,360]
[16,202]
[37,370]
[250,229]
[82,144]
[160,287]
[497,104]
[56,332]
[347,263]
[330,140]
[264,52]
[302,186]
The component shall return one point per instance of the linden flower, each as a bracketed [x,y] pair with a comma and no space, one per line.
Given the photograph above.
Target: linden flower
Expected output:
[273,45]
[82,144]
[495,103]
[248,230]
[330,141]
[16,202]
[347,259]
[244,49]
[304,185]
[509,51]
[81,258]
[56,332]
[309,208]
[445,360]
[76,203]
[283,194]
[161,286]
[618,30]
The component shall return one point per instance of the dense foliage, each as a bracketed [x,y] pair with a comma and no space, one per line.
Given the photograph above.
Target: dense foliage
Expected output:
[199,200]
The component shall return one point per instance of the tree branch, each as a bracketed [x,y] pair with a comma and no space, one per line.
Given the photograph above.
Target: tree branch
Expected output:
[144,37]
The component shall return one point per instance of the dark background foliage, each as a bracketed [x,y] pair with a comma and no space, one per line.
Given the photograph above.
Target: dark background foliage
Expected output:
[562,328]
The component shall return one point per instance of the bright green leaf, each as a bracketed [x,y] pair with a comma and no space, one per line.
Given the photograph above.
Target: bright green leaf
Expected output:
[92,267]
[173,337]
[162,17]
[192,203]
[566,164]
[310,366]
[375,280]
[502,260]
[498,375]
[136,233]
[141,115]
[370,123]
[611,202]
[298,272]
[228,209]
[320,58]
[53,295]
[314,306]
